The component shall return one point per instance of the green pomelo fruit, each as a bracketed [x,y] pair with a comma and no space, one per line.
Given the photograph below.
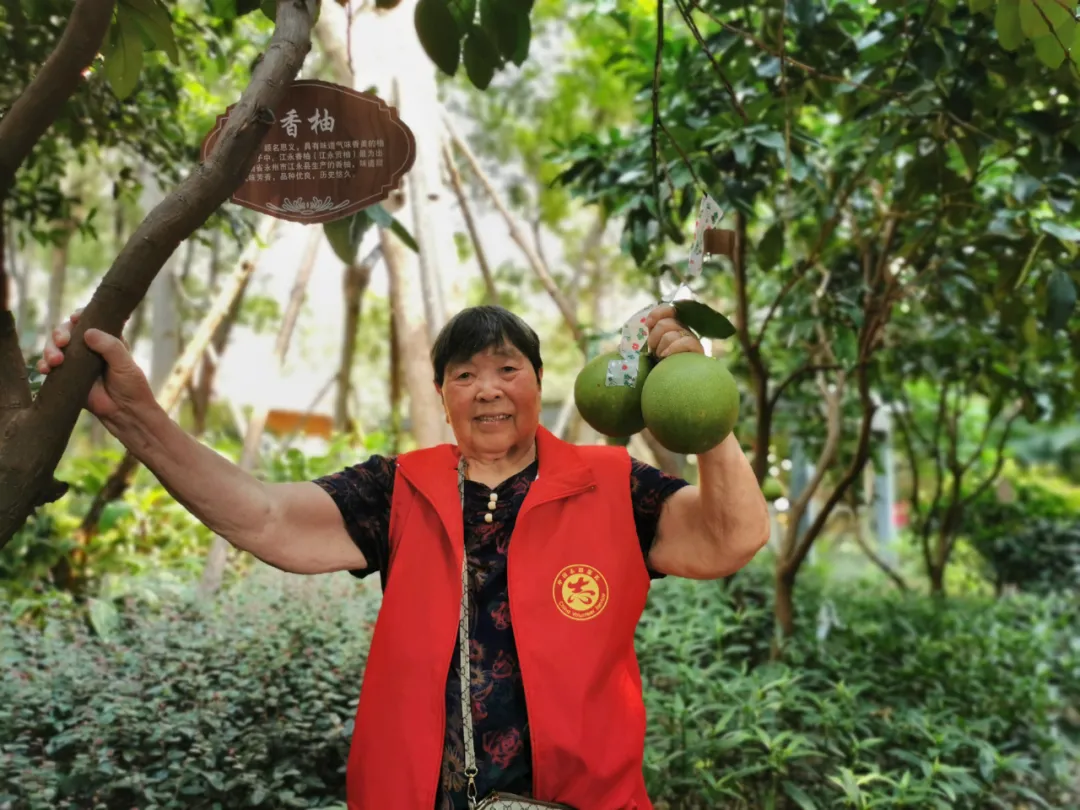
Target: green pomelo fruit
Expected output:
[690,402]
[613,410]
[772,489]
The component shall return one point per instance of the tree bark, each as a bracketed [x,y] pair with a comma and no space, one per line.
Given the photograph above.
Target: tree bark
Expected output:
[413,351]
[214,571]
[32,442]
[356,279]
[759,372]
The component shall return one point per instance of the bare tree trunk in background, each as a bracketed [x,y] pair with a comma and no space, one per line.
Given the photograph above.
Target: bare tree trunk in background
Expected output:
[395,373]
[164,325]
[214,571]
[413,352]
[204,389]
[54,310]
[21,277]
[543,273]
[491,294]
[356,279]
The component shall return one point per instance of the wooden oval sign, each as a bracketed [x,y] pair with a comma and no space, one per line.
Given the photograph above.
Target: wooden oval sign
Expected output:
[331,152]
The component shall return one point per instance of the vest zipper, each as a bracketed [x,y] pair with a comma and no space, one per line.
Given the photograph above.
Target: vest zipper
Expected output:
[510,591]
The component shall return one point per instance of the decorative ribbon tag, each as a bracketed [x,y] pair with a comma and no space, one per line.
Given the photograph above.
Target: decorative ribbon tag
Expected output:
[624,371]
[709,216]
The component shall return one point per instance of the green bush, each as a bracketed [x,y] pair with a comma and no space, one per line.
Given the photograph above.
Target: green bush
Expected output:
[882,701]
[247,704]
[1028,536]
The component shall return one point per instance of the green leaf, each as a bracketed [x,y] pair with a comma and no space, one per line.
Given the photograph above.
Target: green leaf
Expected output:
[480,57]
[771,248]
[1007,24]
[1049,50]
[980,5]
[1066,233]
[384,219]
[346,234]
[155,22]
[464,12]
[524,38]
[247,6]
[1060,300]
[269,9]
[703,319]
[438,34]
[103,617]
[124,56]
[500,19]
[799,796]
[112,513]
[1036,14]
[773,140]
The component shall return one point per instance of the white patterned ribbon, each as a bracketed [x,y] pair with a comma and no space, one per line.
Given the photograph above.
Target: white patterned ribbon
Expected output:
[624,369]
[709,216]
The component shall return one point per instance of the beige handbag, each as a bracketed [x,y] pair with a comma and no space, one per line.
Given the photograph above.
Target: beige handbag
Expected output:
[494,801]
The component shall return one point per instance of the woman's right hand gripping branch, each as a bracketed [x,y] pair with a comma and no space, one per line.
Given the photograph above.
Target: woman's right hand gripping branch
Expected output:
[121,390]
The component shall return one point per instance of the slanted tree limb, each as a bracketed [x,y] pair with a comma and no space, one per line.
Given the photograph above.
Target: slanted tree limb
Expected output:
[43,100]
[470,224]
[33,442]
[535,262]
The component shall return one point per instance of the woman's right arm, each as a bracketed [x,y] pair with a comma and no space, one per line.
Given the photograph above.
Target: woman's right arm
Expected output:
[296,527]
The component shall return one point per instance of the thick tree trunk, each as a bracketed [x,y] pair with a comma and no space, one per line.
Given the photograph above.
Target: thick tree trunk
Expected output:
[356,279]
[214,571]
[33,440]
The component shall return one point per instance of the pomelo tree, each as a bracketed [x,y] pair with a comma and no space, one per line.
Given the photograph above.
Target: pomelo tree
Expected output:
[876,161]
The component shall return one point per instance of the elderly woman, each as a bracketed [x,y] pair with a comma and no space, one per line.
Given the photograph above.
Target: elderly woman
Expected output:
[502,671]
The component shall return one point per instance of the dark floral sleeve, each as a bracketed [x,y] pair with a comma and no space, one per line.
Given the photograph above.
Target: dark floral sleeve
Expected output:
[649,488]
[363,493]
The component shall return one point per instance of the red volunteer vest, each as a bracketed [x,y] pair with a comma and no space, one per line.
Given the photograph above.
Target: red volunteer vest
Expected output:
[577,587]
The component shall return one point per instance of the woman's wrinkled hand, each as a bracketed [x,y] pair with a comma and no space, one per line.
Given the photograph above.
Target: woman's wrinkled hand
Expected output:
[122,387]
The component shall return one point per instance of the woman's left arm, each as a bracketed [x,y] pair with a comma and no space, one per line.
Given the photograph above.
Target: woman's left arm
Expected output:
[712,530]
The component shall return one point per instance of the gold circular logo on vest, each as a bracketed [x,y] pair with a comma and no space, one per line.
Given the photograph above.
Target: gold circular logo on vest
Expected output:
[580,592]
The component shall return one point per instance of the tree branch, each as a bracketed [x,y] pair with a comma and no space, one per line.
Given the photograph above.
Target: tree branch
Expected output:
[535,262]
[801,371]
[32,451]
[689,20]
[862,454]
[470,224]
[798,273]
[787,60]
[873,556]
[43,100]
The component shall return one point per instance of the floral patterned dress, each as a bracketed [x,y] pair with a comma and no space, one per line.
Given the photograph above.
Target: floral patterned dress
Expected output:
[363,493]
